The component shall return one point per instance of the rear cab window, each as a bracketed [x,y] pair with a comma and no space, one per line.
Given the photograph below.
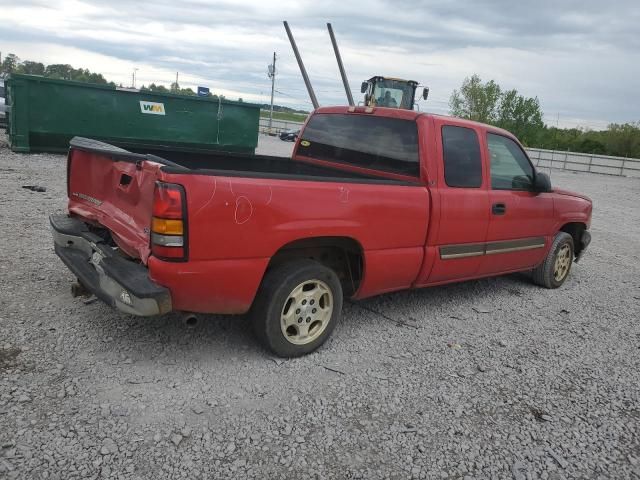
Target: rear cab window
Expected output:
[365,141]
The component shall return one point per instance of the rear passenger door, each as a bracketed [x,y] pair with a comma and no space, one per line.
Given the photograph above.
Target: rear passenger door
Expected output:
[463,204]
[521,220]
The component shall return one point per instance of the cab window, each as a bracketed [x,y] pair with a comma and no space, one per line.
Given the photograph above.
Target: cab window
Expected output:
[462,160]
[510,167]
[379,143]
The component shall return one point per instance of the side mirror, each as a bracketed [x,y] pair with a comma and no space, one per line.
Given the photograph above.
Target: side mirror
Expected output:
[364,86]
[425,93]
[542,183]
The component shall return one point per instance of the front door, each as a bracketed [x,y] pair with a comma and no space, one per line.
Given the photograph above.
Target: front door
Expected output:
[521,221]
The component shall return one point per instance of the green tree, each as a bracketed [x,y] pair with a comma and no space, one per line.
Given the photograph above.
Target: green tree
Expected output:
[475,100]
[31,68]
[58,70]
[155,88]
[487,103]
[9,64]
[559,138]
[84,75]
[520,115]
[624,140]
[591,145]
[175,88]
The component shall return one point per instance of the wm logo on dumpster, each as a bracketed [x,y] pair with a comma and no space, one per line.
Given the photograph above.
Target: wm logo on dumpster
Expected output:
[152,108]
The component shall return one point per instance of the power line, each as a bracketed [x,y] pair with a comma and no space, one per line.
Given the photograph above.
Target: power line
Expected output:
[295,98]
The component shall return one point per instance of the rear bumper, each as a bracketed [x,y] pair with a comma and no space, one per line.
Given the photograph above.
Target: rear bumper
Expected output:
[120,283]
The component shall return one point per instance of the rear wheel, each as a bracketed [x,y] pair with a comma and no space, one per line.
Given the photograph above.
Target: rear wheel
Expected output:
[297,307]
[555,268]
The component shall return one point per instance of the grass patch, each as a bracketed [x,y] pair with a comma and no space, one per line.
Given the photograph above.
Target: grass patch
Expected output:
[285,116]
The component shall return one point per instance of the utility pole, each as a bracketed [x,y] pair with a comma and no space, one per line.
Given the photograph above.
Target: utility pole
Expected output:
[272,75]
[176,84]
[133,78]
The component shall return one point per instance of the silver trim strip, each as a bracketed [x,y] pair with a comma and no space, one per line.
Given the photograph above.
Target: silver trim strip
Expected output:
[466,250]
[448,256]
[514,249]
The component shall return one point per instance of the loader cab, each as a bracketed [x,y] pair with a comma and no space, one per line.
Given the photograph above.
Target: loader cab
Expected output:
[390,92]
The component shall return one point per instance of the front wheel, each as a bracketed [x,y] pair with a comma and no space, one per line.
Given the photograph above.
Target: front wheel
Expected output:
[297,307]
[555,268]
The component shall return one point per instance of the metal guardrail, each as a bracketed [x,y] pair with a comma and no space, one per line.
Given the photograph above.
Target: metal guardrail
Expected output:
[277,126]
[585,162]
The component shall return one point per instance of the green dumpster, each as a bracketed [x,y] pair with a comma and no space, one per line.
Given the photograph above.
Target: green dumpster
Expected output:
[46,113]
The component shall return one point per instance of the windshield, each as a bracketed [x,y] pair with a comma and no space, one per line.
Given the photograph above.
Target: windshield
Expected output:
[393,93]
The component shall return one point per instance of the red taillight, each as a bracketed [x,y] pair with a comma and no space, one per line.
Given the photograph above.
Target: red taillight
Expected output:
[169,222]
[168,200]
[173,253]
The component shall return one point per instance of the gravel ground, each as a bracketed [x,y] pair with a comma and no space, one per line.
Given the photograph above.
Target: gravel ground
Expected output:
[493,378]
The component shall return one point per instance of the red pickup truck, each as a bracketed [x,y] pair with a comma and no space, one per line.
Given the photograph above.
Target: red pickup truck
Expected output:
[373,200]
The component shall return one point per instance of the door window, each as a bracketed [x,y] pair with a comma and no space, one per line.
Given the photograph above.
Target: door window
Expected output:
[462,161]
[510,167]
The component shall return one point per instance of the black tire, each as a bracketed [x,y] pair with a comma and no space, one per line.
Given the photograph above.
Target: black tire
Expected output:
[278,286]
[545,273]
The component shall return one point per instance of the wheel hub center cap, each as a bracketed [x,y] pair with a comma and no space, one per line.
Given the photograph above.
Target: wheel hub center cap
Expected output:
[307,312]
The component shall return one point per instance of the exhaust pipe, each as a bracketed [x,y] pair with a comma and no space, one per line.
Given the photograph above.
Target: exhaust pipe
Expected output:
[305,77]
[189,319]
[343,74]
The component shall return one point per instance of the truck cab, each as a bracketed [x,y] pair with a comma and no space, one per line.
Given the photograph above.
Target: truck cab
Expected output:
[490,211]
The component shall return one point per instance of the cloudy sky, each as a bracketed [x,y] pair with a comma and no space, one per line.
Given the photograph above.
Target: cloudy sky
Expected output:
[581,58]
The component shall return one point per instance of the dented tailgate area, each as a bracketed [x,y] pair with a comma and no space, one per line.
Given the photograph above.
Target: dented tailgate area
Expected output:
[100,268]
[113,188]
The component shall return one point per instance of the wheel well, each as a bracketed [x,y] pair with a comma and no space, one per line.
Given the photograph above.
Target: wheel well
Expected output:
[343,255]
[575,229]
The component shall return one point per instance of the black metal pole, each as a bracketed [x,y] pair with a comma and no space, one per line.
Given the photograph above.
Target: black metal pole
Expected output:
[343,74]
[305,77]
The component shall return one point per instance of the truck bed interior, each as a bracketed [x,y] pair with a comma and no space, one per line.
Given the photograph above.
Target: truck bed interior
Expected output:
[235,164]
[232,164]
[261,166]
